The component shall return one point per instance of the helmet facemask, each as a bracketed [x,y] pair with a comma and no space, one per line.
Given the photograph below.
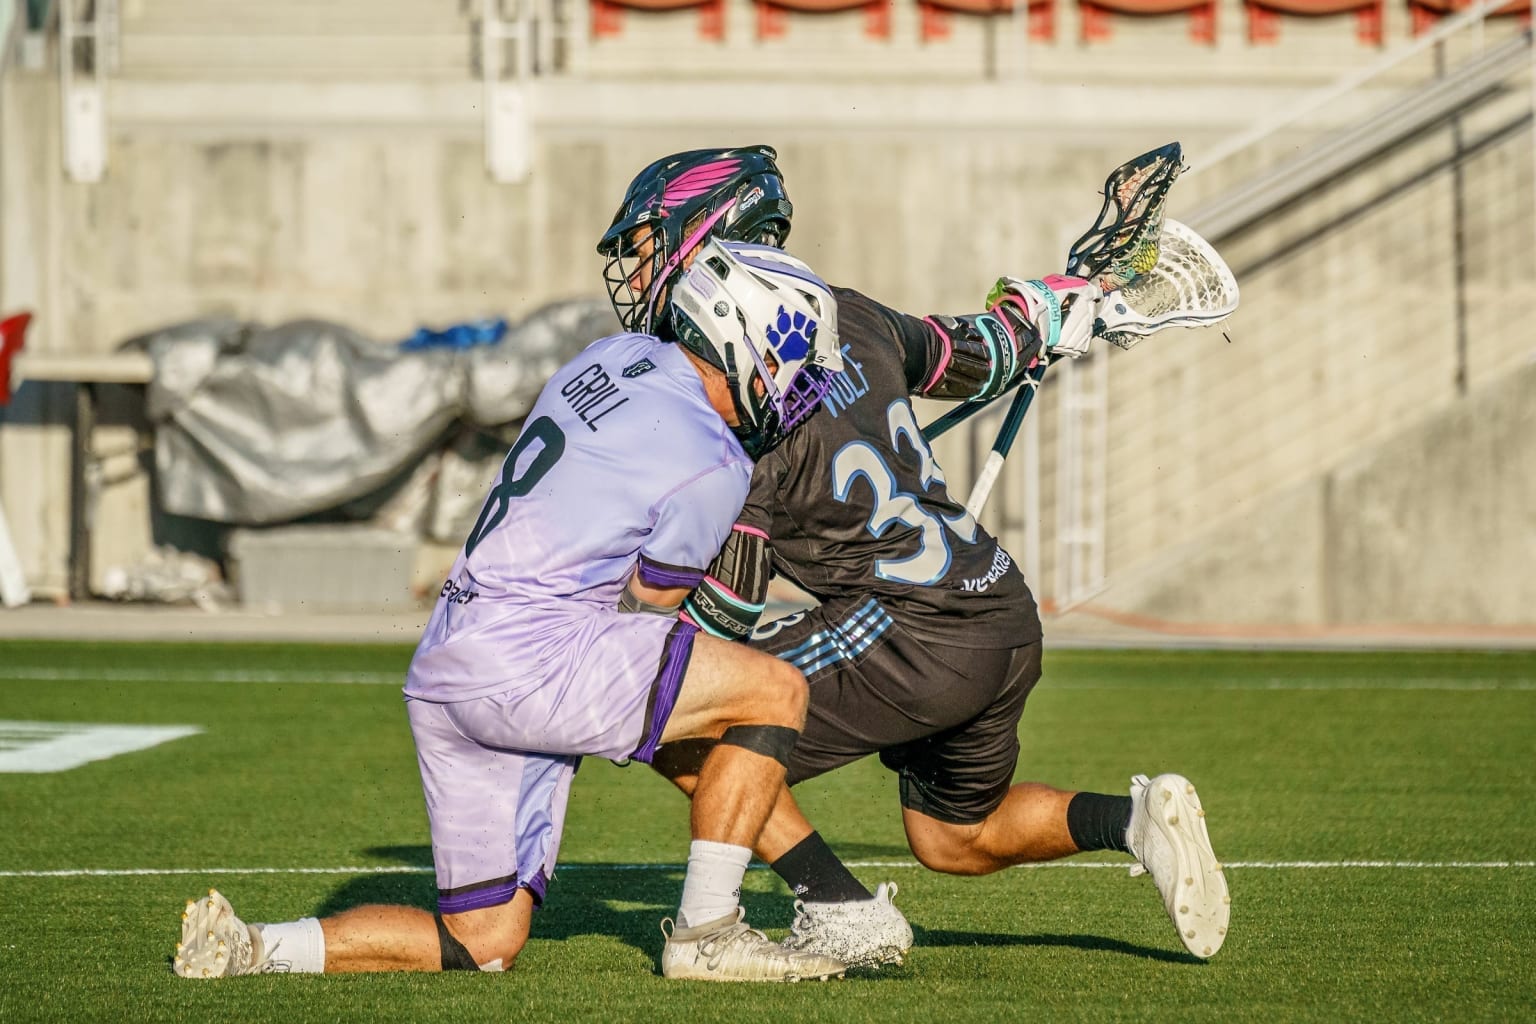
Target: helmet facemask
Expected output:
[643,309]
[672,207]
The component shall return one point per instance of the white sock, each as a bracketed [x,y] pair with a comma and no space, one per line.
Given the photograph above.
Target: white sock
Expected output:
[712,887]
[299,946]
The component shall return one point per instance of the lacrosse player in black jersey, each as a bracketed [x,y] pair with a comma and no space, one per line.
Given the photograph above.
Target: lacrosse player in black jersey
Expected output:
[926,641]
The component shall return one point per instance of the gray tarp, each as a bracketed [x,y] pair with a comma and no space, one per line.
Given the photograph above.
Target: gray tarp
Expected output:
[257,425]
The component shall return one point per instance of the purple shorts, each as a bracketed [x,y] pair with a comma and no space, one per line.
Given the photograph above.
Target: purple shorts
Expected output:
[496,770]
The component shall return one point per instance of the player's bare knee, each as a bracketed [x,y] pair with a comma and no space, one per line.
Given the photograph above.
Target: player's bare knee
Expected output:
[790,696]
[477,941]
[951,850]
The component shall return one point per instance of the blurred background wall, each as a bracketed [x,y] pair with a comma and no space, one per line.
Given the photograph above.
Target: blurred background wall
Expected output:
[1354,447]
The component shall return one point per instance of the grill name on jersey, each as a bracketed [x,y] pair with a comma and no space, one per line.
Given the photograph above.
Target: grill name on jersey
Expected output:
[592,394]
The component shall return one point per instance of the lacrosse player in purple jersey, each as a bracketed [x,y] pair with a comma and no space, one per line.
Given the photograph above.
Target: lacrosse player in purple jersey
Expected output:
[926,642]
[626,479]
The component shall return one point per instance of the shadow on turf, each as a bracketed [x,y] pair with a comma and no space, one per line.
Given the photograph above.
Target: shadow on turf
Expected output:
[619,902]
[931,937]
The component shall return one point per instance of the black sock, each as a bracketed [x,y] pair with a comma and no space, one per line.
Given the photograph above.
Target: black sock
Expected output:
[813,872]
[1098,821]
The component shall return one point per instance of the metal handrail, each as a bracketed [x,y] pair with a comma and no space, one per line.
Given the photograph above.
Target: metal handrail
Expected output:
[1428,105]
[1320,98]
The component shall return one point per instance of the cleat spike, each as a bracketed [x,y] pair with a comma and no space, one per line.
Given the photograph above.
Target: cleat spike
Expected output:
[183,915]
[1173,819]
[1201,812]
[1189,788]
[1189,934]
[1207,950]
[205,972]
[1226,899]
[210,935]
[1184,909]
[1221,931]
[1189,881]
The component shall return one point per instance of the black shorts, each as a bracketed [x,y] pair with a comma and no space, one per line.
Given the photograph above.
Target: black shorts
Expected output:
[945,718]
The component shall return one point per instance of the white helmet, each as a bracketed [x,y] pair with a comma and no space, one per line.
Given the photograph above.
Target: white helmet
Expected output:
[758,314]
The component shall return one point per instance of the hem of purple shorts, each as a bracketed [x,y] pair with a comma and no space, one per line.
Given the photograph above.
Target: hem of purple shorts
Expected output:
[669,680]
[494,894]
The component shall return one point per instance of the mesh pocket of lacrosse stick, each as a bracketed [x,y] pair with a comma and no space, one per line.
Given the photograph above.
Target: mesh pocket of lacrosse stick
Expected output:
[1189,286]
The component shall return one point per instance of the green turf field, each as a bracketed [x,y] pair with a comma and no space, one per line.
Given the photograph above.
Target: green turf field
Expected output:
[1375,811]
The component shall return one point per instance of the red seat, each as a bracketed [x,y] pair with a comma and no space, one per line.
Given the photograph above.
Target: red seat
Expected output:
[13,337]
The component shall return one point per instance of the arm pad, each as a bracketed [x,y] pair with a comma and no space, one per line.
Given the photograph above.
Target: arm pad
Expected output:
[982,353]
[730,600]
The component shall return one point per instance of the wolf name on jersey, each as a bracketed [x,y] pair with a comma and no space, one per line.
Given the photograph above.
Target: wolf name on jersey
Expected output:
[621,460]
[907,541]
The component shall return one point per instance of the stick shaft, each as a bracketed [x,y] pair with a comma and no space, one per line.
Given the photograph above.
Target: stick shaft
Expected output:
[1006,435]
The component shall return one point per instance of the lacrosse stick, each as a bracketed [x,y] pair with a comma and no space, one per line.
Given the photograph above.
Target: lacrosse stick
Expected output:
[1190,285]
[1122,243]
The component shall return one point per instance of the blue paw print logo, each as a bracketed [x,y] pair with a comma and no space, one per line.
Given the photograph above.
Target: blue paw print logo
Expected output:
[790,334]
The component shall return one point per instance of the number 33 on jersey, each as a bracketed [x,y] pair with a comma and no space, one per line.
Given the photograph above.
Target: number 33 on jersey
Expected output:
[859,463]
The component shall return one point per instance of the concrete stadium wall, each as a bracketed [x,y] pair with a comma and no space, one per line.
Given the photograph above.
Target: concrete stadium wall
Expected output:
[368,203]
[1435,525]
[1379,323]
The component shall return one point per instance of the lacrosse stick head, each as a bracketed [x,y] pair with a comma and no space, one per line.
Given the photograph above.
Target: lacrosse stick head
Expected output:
[1189,286]
[1123,241]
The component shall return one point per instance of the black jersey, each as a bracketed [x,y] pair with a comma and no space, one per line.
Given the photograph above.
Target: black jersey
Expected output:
[854,503]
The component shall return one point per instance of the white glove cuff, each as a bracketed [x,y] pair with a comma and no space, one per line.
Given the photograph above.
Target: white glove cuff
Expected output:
[1050,332]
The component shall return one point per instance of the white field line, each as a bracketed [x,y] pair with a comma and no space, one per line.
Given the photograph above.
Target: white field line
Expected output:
[1250,865]
[42,673]
[59,746]
[47,674]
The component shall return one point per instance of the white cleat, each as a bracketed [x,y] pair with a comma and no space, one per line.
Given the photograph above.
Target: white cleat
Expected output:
[214,942]
[861,933]
[1168,836]
[730,950]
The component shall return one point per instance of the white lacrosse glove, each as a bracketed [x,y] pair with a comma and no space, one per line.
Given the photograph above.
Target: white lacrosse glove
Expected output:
[1062,309]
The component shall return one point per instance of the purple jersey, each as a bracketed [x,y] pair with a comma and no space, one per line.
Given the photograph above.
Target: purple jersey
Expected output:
[621,461]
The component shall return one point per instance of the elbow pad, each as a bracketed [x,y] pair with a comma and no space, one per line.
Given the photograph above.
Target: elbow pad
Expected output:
[983,353]
[730,600]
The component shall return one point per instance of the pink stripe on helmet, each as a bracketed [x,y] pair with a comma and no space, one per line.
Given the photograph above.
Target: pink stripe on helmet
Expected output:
[696,182]
[699,234]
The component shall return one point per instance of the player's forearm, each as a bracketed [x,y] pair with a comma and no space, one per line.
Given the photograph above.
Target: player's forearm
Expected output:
[978,356]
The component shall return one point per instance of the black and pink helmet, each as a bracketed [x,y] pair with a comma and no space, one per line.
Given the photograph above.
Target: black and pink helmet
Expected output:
[735,194]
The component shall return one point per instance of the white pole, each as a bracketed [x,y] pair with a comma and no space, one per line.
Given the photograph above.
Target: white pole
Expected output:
[13,583]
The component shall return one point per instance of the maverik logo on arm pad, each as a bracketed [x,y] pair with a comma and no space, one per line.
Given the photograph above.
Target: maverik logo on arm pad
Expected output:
[730,600]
